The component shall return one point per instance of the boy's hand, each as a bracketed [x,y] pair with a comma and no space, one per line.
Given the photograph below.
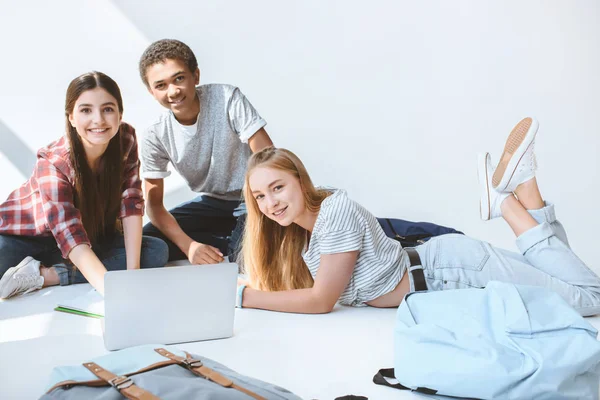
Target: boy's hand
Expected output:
[199,253]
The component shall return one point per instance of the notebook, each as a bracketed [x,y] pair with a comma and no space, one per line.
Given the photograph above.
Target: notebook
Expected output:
[89,304]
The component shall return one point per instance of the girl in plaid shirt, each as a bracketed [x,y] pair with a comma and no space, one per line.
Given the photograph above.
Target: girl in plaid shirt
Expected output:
[81,211]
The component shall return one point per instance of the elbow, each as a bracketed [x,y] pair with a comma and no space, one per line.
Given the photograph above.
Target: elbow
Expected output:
[324,310]
[322,306]
[153,210]
[150,213]
[321,301]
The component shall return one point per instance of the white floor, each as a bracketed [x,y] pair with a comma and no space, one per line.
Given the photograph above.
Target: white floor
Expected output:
[315,356]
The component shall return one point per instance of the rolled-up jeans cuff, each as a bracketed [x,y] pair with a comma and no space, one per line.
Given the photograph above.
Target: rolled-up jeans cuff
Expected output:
[533,236]
[545,214]
[64,274]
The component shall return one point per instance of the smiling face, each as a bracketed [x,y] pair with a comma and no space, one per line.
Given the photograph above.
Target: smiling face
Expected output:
[278,195]
[96,118]
[173,85]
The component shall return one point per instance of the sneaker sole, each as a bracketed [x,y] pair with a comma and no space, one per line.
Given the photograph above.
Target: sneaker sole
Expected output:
[8,276]
[484,199]
[519,140]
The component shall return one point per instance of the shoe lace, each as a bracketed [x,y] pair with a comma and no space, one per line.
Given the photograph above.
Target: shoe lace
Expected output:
[25,283]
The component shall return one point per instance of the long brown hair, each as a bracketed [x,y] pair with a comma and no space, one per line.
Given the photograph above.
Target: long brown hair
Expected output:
[272,254]
[97,194]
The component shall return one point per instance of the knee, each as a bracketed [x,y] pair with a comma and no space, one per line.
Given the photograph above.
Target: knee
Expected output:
[10,254]
[5,243]
[155,252]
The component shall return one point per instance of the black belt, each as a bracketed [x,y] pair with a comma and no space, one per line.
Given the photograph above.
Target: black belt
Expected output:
[417,273]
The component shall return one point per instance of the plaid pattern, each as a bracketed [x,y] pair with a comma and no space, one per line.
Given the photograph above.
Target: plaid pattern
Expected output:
[43,206]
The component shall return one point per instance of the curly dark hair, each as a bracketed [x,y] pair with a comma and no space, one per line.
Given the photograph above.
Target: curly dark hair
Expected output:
[164,49]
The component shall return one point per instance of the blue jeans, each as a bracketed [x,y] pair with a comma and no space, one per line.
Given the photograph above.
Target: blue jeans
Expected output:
[219,223]
[457,261]
[13,249]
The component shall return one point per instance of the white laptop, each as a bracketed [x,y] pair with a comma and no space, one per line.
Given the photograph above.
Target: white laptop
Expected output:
[169,305]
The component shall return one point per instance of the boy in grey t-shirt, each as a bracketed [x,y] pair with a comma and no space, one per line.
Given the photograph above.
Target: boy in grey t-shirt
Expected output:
[207,134]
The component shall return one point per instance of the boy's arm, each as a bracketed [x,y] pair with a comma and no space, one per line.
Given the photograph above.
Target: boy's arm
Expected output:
[259,140]
[197,253]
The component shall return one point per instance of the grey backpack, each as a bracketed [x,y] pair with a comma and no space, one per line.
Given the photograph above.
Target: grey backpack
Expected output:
[153,372]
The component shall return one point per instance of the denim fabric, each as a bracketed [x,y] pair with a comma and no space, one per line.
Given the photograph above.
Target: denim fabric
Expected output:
[44,249]
[13,249]
[219,223]
[154,254]
[457,261]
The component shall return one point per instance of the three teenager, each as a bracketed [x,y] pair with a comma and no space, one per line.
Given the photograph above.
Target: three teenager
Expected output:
[303,249]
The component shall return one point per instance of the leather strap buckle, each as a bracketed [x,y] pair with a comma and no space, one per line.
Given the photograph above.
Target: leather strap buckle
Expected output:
[120,382]
[191,363]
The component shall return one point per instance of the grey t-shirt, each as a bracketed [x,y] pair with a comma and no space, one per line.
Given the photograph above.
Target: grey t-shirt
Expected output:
[212,154]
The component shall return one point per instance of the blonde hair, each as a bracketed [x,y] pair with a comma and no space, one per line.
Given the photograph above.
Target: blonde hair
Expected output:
[272,254]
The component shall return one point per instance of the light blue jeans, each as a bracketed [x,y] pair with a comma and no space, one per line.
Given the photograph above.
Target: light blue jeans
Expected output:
[457,261]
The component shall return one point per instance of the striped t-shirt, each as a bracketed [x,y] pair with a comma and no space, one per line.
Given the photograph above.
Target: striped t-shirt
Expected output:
[343,226]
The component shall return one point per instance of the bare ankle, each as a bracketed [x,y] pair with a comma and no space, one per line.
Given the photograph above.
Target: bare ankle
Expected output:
[529,195]
[508,203]
[50,276]
[517,217]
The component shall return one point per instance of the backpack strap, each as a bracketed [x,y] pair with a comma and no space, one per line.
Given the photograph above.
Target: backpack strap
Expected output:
[198,368]
[379,379]
[123,384]
[418,277]
[101,382]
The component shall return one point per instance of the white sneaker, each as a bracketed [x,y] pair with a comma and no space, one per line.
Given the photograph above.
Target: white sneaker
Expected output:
[517,164]
[23,278]
[490,199]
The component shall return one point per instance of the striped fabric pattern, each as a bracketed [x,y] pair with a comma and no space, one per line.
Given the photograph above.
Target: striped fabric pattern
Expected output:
[43,206]
[343,226]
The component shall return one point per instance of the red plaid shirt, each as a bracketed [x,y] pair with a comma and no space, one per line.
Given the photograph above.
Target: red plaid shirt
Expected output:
[43,205]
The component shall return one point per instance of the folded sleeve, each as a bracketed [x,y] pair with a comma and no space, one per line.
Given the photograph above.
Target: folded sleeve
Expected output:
[154,157]
[342,228]
[62,217]
[132,198]
[243,117]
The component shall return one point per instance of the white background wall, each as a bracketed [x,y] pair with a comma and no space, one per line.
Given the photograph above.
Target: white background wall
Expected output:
[388,99]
